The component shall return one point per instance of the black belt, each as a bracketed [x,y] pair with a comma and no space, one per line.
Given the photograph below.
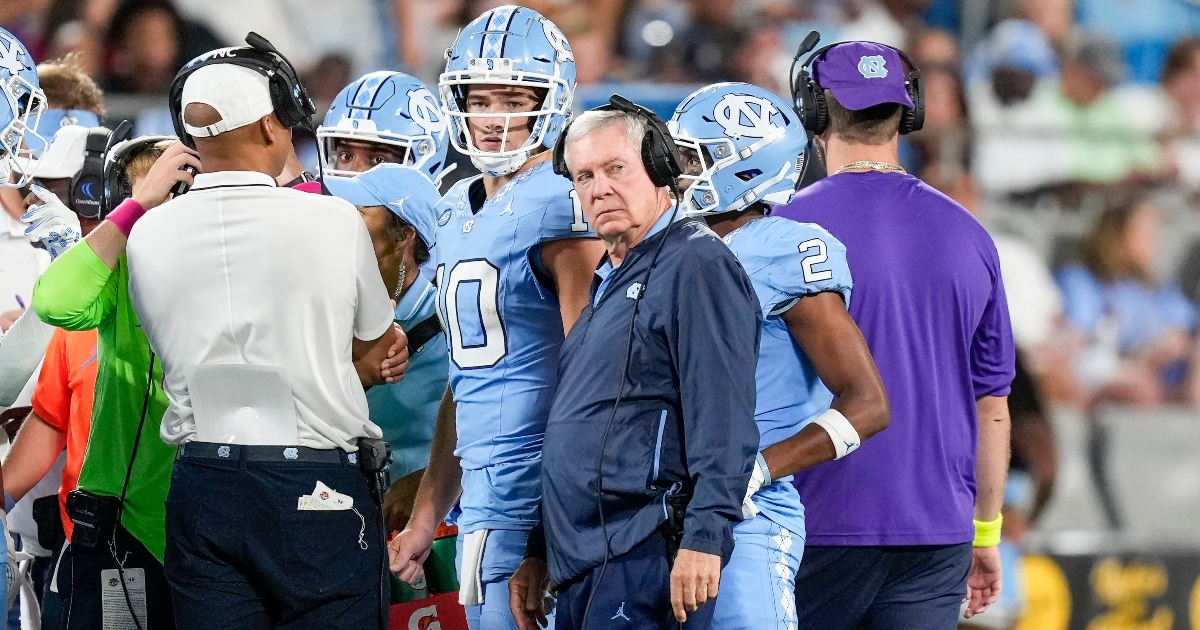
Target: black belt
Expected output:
[238,452]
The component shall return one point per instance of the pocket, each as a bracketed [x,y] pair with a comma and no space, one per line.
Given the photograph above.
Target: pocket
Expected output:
[323,555]
[636,453]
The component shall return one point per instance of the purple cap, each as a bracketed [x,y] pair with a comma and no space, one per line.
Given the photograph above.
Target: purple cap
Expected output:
[862,75]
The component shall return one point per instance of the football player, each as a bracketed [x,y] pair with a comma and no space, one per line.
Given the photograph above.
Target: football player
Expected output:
[743,151]
[384,117]
[515,261]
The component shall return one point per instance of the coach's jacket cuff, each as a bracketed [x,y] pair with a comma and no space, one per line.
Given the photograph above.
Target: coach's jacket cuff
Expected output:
[703,543]
[536,546]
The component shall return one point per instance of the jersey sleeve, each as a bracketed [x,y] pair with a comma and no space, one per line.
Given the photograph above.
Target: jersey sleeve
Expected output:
[806,260]
[562,214]
[78,291]
[373,312]
[52,394]
[993,352]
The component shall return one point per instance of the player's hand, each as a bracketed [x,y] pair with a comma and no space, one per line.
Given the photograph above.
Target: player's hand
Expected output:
[157,185]
[51,222]
[407,554]
[983,584]
[527,590]
[694,580]
[396,364]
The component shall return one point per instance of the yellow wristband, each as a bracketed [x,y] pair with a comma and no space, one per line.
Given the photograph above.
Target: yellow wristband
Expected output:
[987,533]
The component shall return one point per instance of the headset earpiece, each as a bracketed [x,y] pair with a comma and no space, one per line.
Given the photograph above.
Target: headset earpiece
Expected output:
[87,195]
[659,154]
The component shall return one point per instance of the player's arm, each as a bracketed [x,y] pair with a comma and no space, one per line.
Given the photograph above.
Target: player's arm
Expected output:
[33,454]
[572,262]
[822,327]
[439,489]
[381,360]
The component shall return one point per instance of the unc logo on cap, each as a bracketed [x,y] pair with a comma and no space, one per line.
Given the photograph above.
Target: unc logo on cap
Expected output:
[873,67]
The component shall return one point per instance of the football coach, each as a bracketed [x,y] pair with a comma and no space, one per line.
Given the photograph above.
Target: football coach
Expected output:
[651,438]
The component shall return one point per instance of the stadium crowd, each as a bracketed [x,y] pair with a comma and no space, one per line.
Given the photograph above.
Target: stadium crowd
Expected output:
[1068,129]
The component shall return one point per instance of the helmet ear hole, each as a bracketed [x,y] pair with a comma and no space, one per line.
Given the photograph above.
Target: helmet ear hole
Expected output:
[748,175]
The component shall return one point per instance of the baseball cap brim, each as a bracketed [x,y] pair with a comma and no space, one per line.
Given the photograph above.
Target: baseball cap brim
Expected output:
[856,98]
[63,157]
[352,190]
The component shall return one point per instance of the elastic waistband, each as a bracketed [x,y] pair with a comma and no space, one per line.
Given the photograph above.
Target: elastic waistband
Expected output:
[238,452]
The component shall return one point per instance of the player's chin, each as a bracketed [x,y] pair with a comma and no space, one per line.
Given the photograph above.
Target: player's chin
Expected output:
[611,225]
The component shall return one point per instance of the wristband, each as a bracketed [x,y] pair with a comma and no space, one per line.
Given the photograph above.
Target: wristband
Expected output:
[126,214]
[845,437]
[766,472]
[987,533]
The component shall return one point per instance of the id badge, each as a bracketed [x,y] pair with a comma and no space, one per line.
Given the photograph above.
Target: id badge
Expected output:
[115,609]
[243,404]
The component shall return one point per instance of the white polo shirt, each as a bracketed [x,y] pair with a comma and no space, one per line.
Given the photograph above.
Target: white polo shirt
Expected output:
[239,271]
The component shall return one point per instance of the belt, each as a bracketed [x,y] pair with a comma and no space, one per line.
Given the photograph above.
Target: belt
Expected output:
[239,452]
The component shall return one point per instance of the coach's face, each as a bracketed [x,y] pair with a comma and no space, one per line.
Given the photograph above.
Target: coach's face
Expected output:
[616,193]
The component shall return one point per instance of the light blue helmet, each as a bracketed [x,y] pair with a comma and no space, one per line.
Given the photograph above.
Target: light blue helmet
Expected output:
[750,144]
[21,105]
[515,46]
[388,108]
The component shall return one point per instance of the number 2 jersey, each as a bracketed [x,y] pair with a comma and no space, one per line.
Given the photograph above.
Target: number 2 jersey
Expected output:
[504,329]
[786,261]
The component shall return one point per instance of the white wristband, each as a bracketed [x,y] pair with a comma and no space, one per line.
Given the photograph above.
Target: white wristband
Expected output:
[845,438]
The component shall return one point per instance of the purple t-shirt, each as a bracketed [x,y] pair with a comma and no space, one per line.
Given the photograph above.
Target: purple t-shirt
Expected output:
[930,302]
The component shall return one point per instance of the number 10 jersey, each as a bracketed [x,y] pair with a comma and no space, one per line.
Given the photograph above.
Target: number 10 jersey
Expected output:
[504,329]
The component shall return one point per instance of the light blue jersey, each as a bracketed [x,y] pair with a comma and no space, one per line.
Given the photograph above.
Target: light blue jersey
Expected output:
[406,411]
[504,332]
[786,261]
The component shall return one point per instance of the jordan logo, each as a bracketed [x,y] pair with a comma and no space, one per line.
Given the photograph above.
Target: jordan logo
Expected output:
[621,613]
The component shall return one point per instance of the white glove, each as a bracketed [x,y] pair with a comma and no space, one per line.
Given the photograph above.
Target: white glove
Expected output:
[760,477]
[52,223]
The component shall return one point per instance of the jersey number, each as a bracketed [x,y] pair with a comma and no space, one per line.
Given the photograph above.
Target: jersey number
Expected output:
[580,222]
[495,342]
[815,259]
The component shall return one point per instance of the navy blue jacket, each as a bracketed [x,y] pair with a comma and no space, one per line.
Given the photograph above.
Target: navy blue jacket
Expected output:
[686,418]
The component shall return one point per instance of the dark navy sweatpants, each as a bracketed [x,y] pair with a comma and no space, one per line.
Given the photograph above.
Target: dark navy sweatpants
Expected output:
[882,588]
[241,556]
[633,591]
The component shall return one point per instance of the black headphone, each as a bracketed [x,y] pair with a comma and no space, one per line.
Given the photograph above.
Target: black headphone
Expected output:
[809,98]
[660,156]
[117,187]
[291,101]
[87,194]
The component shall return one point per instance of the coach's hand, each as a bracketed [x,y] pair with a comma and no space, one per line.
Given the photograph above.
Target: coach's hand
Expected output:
[694,580]
[407,553]
[157,185]
[983,584]
[527,590]
[396,364]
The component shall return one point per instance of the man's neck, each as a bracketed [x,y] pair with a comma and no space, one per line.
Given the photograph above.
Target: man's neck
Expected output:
[839,153]
[727,222]
[618,248]
[493,184]
[216,163]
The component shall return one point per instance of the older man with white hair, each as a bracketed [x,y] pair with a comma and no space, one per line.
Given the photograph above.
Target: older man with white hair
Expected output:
[651,438]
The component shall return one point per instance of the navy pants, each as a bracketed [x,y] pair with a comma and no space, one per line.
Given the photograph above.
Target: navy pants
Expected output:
[882,588]
[633,591]
[240,555]
[81,589]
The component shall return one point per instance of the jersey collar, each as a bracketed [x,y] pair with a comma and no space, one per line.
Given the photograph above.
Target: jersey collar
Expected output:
[228,179]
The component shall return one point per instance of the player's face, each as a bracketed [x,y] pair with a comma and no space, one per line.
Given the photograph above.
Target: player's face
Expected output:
[616,193]
[487,133]
[692,165]
[359,156]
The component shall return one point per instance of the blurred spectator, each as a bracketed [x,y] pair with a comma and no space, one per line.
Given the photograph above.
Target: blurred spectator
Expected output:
[940,150]
[1054,18]
[707,46]
[935,47]
[144,47]
[1144,29]
[327,78]
[1139,329]
[884,22]
[1178,111]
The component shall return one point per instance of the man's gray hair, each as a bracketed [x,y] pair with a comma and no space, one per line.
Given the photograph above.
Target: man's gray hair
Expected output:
[592,120]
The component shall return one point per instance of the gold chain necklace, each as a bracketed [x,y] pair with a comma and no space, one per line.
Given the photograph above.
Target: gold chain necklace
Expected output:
[872,166]
[400,282]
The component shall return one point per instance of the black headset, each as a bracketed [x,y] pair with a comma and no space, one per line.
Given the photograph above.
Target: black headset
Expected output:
[87,193]
[809,98]
[291,101]
[117,186]
[660,156]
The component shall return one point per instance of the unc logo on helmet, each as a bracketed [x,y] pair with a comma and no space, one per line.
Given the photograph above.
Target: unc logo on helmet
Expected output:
[747,142]
[744,115]
[873,67]
[11,53]
[425,111]
[558,41]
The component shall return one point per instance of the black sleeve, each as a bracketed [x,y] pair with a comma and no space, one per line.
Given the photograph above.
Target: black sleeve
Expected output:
[717,327]
[536,547]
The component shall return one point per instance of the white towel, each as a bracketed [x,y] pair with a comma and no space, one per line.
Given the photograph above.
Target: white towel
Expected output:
[470,583]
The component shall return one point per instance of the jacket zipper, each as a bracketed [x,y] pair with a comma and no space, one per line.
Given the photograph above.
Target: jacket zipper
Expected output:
[662,425]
